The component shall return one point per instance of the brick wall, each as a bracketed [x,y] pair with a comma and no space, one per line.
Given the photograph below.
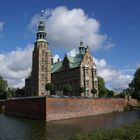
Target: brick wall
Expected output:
[27,107]
[48,109]
[62,108]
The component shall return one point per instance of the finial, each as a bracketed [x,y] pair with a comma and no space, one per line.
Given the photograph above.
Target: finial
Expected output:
[42,12]
[81,38]
[81,41]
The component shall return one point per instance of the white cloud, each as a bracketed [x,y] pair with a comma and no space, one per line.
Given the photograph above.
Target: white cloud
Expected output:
[15,66]
[73,52]
[55,58]
[1,26]
[114,79]
[65,27]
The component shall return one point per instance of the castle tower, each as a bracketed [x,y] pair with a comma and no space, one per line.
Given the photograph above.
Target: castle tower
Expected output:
[41,65]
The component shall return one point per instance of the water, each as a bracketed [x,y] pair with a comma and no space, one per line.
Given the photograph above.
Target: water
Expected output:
[16,128]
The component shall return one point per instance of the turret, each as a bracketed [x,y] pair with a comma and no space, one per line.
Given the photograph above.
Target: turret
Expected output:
[82,49]
[41,33]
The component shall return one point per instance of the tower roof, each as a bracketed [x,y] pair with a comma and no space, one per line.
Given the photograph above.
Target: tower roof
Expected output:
[41,33]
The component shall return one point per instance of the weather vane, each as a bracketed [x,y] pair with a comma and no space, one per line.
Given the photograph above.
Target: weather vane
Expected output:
[81,37]
[42,12]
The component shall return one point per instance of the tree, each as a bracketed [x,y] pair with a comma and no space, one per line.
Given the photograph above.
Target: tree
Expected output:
[82,90]
[3,88]
[20,92]
[67,89]
[11,92]
[93,91]
[101,86]
[50,87]
[134,86]
[109,93]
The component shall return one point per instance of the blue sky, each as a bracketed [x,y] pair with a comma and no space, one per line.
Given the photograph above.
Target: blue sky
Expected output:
[118,19]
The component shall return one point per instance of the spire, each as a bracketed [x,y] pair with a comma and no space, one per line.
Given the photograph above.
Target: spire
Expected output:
[81,42]
[41,33]
[81,47]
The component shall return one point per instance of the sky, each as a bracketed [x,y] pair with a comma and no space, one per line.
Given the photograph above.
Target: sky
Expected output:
[111,28]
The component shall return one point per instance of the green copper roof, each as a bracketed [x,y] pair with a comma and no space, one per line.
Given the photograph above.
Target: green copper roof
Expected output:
[73,63]
[57,66]
[41,40]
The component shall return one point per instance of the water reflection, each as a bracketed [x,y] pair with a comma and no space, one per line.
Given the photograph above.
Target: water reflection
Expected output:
[16,128]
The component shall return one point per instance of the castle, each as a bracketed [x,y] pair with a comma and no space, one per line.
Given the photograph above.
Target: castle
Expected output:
[79,71]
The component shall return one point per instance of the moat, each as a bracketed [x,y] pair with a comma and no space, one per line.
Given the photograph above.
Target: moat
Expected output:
[16,128]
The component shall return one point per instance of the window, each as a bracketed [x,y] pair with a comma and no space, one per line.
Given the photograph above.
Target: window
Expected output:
[43,52]
[87,83]
[42,76]
[42,86]
[94,71]
[87,91]
[42,68]
[96,84]
[86,71]
[42,60]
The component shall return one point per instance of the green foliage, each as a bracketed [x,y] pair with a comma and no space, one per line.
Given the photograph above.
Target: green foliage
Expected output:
[109,93]
[11,92]
[93,91]
[134,86]
[67,89]
[103,91]
[82,89]
[50,87]
[101,86]
[20,92]
[3,88]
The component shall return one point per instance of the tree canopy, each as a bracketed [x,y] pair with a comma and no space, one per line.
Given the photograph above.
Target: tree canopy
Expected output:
[67,89]
[94,91]
[134,86]
[50,87]
[103,91]
[3,88]
[101,86]
[82,89]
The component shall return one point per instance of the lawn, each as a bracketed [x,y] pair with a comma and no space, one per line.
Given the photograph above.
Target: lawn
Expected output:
[128,132]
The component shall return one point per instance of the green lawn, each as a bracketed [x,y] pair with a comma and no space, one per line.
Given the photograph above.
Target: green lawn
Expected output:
[128,132]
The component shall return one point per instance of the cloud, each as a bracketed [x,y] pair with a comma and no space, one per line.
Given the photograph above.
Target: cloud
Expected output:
[55,58]
[65,27]
[73,52]
[15,66]
[1,26]
[114,79]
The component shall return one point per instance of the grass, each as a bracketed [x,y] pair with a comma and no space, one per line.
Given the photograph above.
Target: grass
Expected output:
[128,132]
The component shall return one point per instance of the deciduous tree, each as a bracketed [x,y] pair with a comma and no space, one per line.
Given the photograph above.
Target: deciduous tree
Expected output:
[67,89]
[134,86]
